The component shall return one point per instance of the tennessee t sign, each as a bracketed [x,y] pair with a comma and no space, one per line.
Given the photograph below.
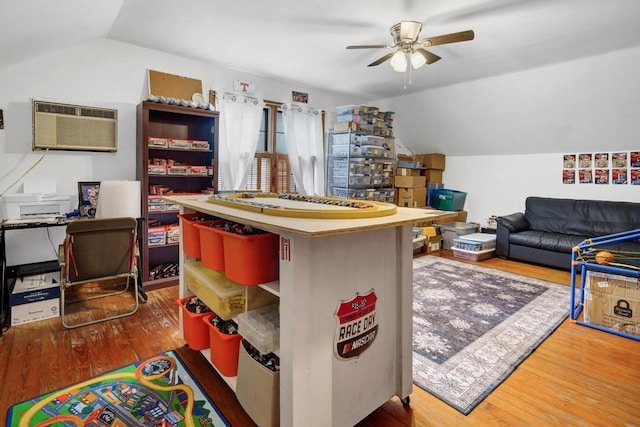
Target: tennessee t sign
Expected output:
[357,326]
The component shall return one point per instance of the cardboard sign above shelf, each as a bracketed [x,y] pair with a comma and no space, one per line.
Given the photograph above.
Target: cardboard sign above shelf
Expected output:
[172,86]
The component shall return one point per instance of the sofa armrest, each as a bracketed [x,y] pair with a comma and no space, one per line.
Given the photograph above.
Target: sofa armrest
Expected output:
[514,222]
[506,225]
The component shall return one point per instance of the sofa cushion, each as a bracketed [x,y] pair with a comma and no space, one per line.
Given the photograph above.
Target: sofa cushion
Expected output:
[556,242]
[588,218]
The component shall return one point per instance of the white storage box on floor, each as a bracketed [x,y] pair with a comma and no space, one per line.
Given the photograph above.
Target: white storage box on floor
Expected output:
[475,241]
[35,298]
[455,229]
[473,255]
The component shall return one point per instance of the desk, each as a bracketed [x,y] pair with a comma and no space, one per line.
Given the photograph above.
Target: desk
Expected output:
[13,272]
[324,263]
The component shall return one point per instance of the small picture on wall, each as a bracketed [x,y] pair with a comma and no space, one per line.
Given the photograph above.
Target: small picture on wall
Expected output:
[568,176]
[585,176]
[619,160]
[601,160]
[601,176]
[635,177]
[569,161]
[635,159]
[619,175]
[585,160]
[299,96]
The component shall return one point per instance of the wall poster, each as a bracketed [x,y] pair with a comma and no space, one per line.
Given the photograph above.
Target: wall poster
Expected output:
[568,176]
[601,176]
[585,160]
[585,176]
[619,175]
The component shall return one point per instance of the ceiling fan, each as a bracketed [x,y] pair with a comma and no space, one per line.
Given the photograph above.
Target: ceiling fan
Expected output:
[409,49]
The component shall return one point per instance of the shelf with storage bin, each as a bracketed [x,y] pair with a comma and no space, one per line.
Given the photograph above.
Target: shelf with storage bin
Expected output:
[322,264]
[176,151]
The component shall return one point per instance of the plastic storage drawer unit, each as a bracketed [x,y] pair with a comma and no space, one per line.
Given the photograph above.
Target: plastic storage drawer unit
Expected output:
[225,297]
[261,328]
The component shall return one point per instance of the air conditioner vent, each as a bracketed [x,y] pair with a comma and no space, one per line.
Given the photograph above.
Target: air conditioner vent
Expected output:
[73,127]
[44,107]
[98,112]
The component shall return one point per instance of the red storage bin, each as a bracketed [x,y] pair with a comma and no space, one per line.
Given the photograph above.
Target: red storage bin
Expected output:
[194,330]
[211,247]
[225,348]
[190,234]
[250,259]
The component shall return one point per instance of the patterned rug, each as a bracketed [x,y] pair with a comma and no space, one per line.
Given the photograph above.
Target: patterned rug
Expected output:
[158,391]
[473,326]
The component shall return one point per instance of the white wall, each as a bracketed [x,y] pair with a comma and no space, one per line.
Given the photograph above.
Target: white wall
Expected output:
[504,137]
[499,185]
[101,73]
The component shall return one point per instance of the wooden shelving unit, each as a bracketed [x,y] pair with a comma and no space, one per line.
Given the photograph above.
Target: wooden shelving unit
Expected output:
[157,120]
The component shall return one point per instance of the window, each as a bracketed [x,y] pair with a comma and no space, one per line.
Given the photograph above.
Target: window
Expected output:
[270,170]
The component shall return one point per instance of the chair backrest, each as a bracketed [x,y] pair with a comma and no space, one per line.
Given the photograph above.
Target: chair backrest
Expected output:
[97,248]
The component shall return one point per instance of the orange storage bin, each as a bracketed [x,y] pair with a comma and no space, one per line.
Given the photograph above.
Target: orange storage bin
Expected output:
[190,234]
[211,247]
[225,348]
[194,330]
[250,259]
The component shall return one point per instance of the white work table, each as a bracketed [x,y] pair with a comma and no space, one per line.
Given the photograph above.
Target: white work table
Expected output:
[323,263]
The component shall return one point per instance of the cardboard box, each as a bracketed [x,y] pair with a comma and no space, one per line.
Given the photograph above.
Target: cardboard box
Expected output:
[434,243]
[432,160]
[432,175]
[407,172]
[411,182]
[613,301]
[39,310]
[412,197]
[38,287]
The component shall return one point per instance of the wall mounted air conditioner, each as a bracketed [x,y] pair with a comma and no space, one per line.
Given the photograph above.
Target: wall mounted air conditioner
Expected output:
[74,127]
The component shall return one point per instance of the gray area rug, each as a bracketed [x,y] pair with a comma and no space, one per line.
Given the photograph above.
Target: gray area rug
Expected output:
[473,326]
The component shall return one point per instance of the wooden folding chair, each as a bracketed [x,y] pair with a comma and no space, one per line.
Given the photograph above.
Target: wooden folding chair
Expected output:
[103,252]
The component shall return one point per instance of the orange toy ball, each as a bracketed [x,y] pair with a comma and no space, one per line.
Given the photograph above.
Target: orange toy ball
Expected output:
[604,257]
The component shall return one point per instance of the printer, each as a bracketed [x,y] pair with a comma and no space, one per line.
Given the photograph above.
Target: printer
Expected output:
[33,204]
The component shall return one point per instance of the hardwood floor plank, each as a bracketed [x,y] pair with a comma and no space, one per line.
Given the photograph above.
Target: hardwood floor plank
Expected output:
[578,377]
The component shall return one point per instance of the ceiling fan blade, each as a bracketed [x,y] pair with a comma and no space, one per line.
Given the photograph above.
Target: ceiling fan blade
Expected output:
[462,36]
[370,46]
[381,60]
[430,57]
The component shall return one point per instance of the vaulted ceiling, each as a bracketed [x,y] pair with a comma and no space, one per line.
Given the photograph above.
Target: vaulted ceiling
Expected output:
[304,41]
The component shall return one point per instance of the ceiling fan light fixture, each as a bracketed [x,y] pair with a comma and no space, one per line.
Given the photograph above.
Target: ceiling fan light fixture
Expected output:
[399,61]
[417,59]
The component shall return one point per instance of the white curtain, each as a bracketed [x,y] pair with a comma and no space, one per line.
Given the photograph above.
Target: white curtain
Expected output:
[240,118]
[303,136]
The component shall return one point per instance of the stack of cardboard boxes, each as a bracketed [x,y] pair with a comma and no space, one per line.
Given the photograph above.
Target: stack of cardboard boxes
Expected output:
[416,176]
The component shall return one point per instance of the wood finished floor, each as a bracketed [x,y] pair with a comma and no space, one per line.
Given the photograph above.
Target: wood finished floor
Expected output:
[578,377]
